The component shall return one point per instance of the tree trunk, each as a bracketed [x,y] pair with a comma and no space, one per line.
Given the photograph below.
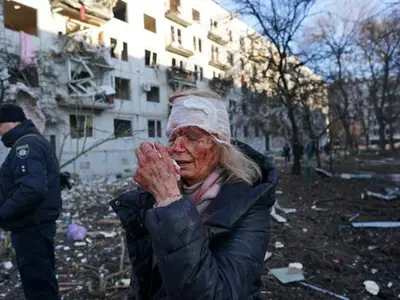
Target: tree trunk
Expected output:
[297,148]
[382,140]
[391,137]
[317,154]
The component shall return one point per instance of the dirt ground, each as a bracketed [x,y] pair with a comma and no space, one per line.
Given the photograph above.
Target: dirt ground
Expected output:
[335,256]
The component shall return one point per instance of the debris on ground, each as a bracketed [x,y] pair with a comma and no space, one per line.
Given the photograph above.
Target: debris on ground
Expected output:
[337,256]
[371,287]
[286,275]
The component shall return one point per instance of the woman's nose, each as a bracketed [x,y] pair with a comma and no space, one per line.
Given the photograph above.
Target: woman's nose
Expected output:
[178,145]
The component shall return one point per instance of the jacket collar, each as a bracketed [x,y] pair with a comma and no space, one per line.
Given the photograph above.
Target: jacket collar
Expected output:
[26,127]
[232,202]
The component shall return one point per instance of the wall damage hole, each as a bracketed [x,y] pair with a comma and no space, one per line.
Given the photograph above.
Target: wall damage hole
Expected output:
[120,10]
[20,17]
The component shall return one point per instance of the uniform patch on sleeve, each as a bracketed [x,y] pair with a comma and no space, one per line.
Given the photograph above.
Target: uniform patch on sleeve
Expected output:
[22,151]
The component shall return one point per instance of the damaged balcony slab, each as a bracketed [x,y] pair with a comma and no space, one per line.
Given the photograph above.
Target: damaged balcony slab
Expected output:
[176,16]
[96,12]
[219,65]
[179,49]
[217,37]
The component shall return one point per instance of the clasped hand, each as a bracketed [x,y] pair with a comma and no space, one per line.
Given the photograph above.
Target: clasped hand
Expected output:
[156,172]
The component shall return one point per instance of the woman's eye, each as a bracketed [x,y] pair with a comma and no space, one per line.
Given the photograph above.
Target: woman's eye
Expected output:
[192,138]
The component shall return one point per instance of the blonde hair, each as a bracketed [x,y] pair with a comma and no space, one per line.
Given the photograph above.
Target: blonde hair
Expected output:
[238,166]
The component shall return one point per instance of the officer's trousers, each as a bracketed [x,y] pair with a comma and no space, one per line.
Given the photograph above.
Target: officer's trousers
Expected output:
[34,249]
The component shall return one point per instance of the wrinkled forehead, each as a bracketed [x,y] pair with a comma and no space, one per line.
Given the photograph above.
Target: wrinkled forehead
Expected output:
[189,130]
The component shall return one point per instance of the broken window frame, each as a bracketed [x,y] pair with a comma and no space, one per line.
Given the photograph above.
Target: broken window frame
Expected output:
[120,95]
[150,58]
[124,132]
[83,126]
[153,95]
[149,23]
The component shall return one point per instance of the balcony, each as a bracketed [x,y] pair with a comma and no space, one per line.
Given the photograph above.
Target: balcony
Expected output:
[258,56]
[178,48]
[219,65]
[94,102]
[95,12]
[217,36]
[181,77]
[176,16]
[222,86]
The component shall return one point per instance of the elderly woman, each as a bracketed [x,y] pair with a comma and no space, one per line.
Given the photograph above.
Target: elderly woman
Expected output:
[198,229]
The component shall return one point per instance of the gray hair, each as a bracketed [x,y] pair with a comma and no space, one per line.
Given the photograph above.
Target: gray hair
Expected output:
[238,166]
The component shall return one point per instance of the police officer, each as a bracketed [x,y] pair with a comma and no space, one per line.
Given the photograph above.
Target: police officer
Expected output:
[30,202]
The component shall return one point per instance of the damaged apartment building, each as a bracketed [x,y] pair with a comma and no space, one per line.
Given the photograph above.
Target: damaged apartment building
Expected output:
[94,75]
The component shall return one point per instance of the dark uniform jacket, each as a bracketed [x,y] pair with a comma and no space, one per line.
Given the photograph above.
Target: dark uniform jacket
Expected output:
[30,191]
[216,255]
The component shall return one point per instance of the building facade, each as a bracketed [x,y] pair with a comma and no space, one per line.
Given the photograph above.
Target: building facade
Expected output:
[102,71]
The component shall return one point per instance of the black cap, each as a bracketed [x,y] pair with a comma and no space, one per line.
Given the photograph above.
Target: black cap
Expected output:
[11,113]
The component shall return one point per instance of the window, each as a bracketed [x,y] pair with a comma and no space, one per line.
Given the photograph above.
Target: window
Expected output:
[154,128]
[81,126]
[23,18]
[122,88]
[230,35]
[245,131]
[150,23]
[113,47]
[173,63]
[172,34]
[119,11]
[201,74]
[194,43]
[124,54]
[200,46]
[122,128]
[154,94]
[196,72]
[181,64]
[242,64]
[195,15]
[179,37]
[150,59]
[230,58]
[214,53]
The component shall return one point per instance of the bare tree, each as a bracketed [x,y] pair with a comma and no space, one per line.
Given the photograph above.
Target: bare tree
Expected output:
[280,22]
[380,42]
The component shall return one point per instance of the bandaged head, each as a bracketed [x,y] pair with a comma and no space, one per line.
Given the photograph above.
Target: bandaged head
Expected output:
[206,112]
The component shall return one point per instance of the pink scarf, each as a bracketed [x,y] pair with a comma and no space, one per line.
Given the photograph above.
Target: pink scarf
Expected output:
[207,189]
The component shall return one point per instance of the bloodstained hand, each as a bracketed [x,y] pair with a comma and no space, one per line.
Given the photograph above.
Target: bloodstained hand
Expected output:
[156,172]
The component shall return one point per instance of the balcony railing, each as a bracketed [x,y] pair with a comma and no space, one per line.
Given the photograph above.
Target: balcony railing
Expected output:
[221,85]
[181,76]
[96,12]
[178,48]
[217,36]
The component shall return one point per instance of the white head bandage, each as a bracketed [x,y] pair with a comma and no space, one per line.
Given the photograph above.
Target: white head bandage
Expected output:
[206,113]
